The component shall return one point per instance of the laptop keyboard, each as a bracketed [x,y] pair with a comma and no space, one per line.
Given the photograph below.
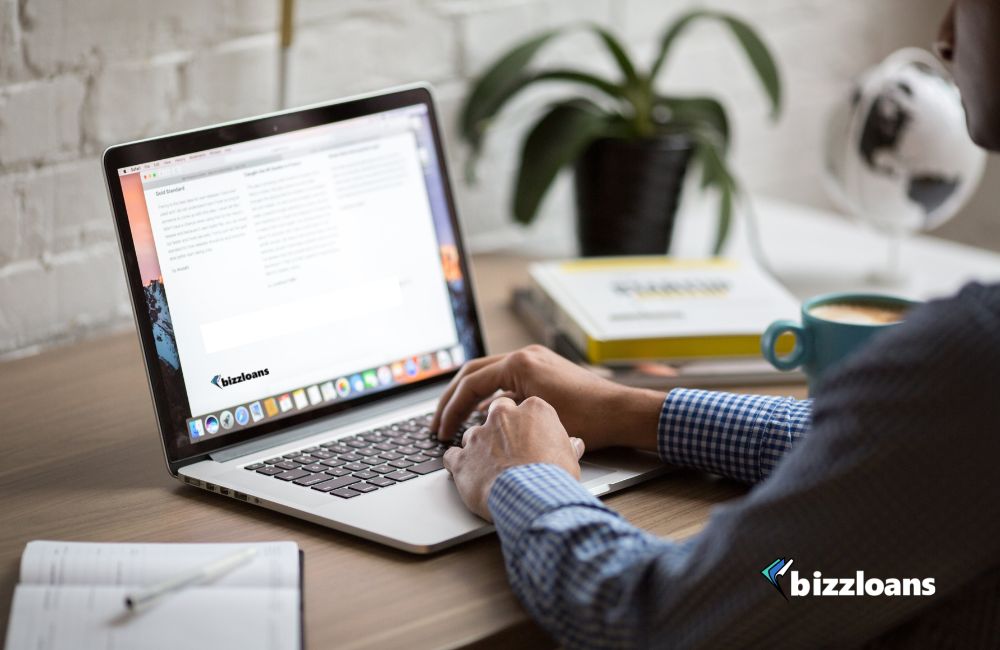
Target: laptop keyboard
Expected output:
[367,461]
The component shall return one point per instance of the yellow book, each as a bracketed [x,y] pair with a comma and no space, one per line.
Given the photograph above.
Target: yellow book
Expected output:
[639,308]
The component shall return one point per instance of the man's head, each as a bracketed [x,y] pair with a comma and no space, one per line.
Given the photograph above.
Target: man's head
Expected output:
[969,43]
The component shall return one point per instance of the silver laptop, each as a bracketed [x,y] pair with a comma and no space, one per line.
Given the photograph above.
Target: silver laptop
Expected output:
[302,298]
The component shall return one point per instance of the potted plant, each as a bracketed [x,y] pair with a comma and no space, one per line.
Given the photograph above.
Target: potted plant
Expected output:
[630,144]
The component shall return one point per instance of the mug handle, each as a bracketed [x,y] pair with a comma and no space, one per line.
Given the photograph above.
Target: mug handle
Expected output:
[769,342]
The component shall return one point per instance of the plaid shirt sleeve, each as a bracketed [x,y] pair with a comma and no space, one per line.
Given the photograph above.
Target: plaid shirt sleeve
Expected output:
[738,436]
[573,562]
[578,566]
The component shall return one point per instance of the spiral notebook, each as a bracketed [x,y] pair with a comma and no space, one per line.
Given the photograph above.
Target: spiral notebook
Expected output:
[71,595]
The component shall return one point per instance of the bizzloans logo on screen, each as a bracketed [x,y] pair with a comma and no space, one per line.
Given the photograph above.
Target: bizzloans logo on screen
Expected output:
[856,586]
[222,382]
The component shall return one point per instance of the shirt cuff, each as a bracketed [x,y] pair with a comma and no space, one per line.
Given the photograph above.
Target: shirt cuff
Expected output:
[522,494]
[716,432]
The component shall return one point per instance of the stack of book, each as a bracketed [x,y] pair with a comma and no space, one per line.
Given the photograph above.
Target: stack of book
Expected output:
[657,321]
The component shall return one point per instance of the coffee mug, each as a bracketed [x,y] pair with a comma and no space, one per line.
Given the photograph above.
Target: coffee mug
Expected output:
[821,343]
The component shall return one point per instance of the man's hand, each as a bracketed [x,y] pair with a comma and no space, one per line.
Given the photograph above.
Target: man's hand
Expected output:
[512,435]
[600,412]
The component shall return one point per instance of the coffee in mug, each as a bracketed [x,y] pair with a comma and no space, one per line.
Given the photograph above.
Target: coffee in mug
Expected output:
[860,313]
[832,327]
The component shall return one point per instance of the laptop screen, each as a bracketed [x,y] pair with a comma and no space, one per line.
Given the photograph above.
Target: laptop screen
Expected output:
[289,273]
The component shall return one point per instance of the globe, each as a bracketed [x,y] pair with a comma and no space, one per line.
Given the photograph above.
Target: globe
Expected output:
[898,155]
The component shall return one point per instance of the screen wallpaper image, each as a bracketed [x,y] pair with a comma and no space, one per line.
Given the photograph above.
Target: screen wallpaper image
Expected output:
[418,364]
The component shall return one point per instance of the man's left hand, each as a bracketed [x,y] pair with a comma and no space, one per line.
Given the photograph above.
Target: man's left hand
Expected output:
[513,434]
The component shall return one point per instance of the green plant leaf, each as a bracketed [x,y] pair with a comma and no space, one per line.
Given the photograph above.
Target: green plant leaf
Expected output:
[505,77]
[486,113]
[670,36]
[557,140]
[761,59]
[621,57]
[757,52]
[716,174]
[699,113]
[725,219]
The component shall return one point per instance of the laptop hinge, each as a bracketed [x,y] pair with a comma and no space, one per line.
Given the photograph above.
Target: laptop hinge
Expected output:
[335,421]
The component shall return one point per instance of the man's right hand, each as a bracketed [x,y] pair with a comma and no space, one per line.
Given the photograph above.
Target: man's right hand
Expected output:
[600,412]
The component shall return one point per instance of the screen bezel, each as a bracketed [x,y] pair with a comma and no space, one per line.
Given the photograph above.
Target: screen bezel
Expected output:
[136,153]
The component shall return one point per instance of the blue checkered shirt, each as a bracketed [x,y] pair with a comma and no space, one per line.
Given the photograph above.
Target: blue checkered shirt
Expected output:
[895,478]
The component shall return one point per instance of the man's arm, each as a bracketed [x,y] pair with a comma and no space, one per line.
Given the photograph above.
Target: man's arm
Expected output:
[579,568]
[738,436]
[895,479]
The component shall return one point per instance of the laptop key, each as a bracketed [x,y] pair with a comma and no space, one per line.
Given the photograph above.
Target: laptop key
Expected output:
[390,455]
[425,444]
[272,461]
[364,487]
[324,487]
[432,465]
[304,460]
[383,469]
[311,479]
[418,458]
[364,474]
[333,462]
[291,474]
[292,455]
[343,481]
[434,453]
[355,467]
[322,454]
[401,475]
[399,464]
[346,493]
[270,470]
[407,449]
[255,466]
[315,467]
[381,481]
[338,471]
[384,446]
[287,464]
[309,450]
[350,458]
[357,444]
[372,461]
[367,452]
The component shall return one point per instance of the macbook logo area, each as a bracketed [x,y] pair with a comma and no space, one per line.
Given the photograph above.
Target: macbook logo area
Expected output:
[222,382]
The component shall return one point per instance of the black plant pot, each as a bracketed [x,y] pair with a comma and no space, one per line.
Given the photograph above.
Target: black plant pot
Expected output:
[627,193]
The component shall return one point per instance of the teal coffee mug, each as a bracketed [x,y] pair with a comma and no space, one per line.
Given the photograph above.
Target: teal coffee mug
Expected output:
[832,327]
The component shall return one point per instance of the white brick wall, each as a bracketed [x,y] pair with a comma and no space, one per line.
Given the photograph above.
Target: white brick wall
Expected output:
[76,76]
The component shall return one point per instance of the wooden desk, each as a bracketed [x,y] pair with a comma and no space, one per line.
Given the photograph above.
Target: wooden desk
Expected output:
[81,461]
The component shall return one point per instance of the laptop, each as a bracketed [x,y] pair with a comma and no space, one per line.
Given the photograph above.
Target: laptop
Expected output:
[302,298]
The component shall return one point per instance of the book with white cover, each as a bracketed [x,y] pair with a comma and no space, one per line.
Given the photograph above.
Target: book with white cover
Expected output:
[71,595]
[631,308]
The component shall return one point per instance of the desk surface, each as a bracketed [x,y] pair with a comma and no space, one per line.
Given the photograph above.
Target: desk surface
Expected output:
[82,461]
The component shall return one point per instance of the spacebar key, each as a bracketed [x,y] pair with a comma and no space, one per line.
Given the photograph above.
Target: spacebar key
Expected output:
[427,467]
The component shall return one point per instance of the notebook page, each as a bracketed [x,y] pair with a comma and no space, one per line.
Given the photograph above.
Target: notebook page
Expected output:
[275,565]
[74,617]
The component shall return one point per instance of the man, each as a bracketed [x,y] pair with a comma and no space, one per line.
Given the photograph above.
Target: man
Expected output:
[891,472]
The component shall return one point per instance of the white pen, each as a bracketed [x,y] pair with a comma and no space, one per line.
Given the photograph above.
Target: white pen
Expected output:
[210,571]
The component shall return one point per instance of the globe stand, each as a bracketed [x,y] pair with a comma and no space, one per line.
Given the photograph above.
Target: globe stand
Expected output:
[891,275]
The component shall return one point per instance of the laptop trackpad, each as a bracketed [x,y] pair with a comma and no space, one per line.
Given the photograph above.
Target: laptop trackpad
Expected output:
[590,472]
